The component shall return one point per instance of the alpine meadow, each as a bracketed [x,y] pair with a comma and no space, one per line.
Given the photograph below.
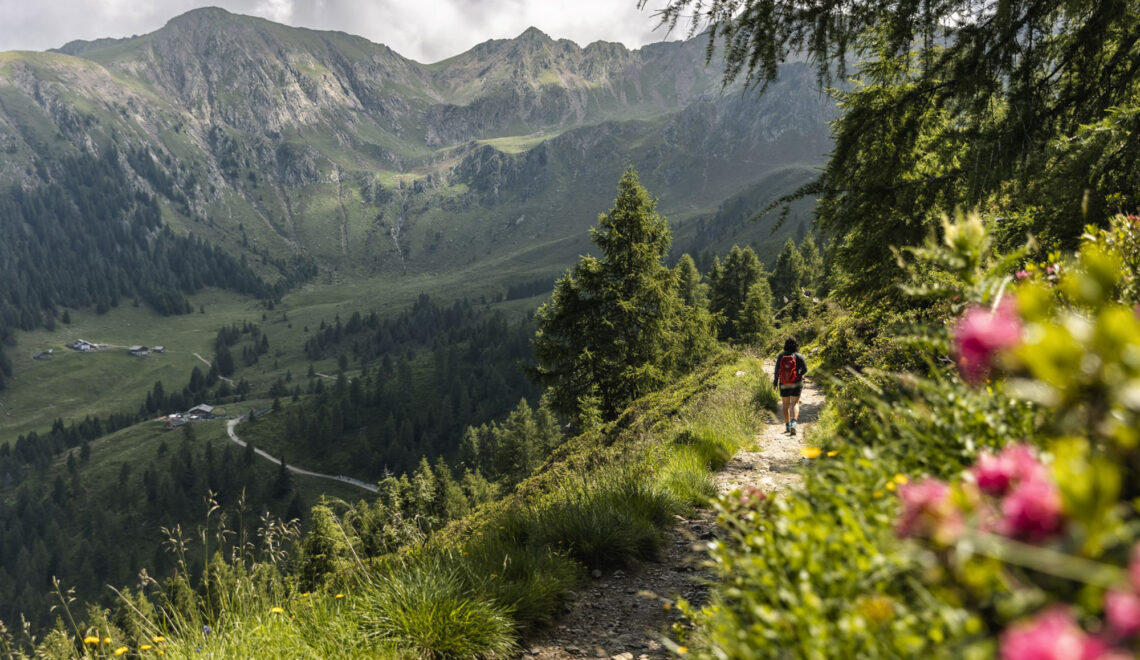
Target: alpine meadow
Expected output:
[312,350]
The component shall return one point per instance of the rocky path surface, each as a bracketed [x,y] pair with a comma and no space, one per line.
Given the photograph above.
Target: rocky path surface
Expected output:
[624,614]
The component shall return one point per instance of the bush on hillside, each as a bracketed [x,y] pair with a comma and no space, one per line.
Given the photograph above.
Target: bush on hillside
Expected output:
[986,549]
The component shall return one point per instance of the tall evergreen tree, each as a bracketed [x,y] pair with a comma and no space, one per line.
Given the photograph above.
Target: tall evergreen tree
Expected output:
[604,338]
[697,326]
[755,324]
[729,284]
[813,264]
[788,277]
[692,290]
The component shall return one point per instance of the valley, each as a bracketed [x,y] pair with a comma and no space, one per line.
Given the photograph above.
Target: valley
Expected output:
[347,245]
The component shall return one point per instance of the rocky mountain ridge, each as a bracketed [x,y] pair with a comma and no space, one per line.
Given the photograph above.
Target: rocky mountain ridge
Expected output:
[282,139]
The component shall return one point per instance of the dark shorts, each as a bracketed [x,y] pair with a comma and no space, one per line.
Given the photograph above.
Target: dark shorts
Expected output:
[791,390]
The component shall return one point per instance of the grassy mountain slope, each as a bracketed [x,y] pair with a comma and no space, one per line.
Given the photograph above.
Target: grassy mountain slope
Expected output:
[286,140]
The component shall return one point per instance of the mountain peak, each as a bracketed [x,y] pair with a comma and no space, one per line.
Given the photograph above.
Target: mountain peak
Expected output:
[201,15]
[534,34]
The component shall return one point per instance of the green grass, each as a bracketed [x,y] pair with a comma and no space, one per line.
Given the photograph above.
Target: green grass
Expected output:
[516,144]
[73,385]
[424,608]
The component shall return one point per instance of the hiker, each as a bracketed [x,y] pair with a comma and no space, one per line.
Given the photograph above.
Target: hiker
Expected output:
[789,377]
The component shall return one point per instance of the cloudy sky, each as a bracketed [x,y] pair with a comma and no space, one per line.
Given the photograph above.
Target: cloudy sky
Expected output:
[427,30]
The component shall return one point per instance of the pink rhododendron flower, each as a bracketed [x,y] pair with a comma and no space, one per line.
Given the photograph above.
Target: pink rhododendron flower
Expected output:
[1122,610]
[928,511]
[981,334]
[1052,635]
[996,474]
[1022,274]
[752,495]
[1032,511]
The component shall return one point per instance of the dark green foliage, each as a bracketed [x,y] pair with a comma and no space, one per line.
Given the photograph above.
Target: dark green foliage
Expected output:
[605,337]
[755,321]
[697,326]
[92,533]
[961,104]
[453,367]
[509,451]
[788,277]
[729,283]
[89,240]
[814,274]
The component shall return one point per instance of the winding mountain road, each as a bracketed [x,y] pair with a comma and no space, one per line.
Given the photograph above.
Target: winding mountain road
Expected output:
[232,424]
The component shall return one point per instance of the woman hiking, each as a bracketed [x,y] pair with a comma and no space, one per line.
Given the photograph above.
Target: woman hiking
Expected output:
[789,377]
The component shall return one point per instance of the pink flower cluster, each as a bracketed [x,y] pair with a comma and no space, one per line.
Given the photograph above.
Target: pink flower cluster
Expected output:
[1030,501]
[929,512]
[981,334]
[752,496]
[1027,501]
[1055,635]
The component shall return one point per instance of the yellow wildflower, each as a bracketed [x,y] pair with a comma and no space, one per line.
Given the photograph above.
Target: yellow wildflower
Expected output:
[339,596]
[305,595]
[891,486]
[833,452]
[145,647]
[901,479]
[91,639]
[158,639]
[121,650]
[877,494]
[878,609]
[277,610]
[682,650]
[809,452]
[107,641]
[668,606]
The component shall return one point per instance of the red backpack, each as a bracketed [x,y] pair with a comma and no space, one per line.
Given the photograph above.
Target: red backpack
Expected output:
[789,374]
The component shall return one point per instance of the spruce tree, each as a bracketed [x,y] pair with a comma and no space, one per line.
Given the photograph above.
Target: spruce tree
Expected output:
[813,264]
[788,277]
[730,282]
[693,292]
[697,326]
[755,323]
[605,337]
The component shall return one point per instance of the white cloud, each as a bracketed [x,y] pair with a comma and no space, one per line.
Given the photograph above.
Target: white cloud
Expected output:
[426,31]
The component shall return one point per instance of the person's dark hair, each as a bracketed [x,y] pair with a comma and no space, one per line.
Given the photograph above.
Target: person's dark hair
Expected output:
[791,345]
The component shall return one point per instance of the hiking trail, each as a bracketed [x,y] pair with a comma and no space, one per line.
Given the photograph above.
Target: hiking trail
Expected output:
[623,614]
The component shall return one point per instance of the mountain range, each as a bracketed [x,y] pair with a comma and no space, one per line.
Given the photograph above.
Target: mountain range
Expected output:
[272,141]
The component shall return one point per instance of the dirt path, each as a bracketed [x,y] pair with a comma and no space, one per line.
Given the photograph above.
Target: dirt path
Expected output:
[623,614]
[211,364]
[232,424]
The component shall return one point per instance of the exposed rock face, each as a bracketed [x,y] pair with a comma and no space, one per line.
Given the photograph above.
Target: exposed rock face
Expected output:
[242,114]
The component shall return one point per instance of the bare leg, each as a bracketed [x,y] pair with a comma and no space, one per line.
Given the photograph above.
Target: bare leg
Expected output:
[794,407]
[787,402]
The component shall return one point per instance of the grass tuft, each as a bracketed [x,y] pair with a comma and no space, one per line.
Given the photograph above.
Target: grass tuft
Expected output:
[425,608]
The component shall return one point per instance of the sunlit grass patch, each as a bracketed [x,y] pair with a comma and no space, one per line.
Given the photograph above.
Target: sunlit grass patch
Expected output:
[424,608]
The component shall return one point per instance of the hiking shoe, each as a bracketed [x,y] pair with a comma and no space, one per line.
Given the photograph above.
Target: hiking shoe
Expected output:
[787,427]
[792,428]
